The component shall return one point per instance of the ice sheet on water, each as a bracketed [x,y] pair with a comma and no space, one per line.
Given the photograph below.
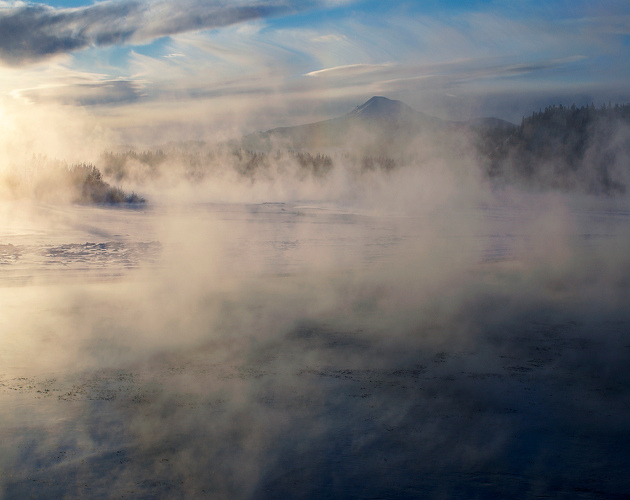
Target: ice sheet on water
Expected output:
[72,261]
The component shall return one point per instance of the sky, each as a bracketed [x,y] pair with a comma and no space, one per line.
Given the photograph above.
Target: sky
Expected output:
[193,68]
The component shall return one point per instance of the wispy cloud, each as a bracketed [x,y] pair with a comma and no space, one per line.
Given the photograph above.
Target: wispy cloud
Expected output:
[350,70]
[103,93]
[31,32]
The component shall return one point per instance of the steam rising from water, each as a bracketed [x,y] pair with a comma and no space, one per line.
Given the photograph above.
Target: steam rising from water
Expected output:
[304,351]
[401,334]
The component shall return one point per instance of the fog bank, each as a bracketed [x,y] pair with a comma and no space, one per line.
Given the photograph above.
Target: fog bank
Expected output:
[312,324]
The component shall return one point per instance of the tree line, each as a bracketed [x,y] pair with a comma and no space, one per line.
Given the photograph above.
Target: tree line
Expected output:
[569,148]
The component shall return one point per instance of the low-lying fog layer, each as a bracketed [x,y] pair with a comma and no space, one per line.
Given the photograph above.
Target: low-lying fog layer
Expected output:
[313,350]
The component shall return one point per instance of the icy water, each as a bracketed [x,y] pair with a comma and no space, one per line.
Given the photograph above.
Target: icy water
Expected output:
[313,351]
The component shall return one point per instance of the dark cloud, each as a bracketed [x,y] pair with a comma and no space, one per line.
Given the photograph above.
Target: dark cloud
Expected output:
[34,32]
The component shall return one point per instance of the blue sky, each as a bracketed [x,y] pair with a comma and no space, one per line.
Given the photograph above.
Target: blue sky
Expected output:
[247,65]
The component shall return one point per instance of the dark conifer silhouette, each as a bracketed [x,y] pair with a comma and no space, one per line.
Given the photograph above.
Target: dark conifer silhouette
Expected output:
[566,148]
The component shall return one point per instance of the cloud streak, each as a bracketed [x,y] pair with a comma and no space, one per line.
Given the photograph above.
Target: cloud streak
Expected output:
[30,33]
[101,93]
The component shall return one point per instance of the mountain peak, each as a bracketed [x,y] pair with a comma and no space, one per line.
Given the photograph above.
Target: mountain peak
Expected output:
[379,100]
[382,109]
[389,120]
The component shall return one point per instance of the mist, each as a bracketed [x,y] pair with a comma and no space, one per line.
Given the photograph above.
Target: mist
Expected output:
[309,324]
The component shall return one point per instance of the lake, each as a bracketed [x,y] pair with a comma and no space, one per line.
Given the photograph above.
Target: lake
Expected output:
[315,350]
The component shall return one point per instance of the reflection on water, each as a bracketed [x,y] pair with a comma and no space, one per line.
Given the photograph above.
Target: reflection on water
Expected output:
[284,350]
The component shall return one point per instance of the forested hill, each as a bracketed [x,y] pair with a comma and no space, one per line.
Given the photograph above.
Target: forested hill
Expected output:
[569,148]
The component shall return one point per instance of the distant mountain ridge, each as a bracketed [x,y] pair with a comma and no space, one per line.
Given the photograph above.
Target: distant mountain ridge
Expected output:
[380,124]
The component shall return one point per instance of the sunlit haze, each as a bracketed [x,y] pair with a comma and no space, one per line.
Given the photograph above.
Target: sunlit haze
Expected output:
[317,249]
